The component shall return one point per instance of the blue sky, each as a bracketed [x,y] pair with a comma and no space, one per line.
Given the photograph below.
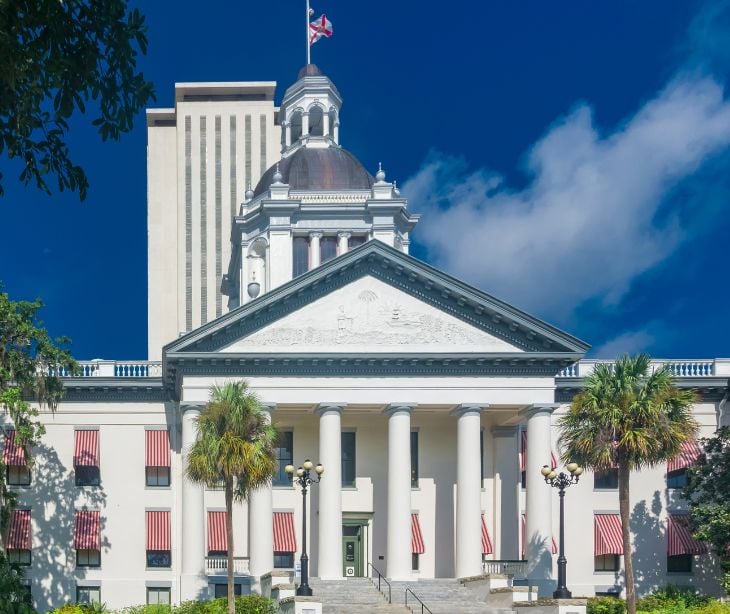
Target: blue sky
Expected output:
[569,157]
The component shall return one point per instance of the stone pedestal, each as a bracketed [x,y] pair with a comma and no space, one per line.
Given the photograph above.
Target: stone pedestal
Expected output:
[301,605]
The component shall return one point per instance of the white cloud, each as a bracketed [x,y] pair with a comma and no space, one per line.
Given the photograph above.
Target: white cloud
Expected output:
[631,342]
[593,216]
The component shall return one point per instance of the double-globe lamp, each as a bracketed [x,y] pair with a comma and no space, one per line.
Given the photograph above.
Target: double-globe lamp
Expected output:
[561,481]
[303,476]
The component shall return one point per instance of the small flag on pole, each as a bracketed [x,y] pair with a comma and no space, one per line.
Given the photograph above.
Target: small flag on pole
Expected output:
[318,28]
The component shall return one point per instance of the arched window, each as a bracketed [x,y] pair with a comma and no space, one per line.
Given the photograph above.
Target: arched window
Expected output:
[316,121]
[296,126]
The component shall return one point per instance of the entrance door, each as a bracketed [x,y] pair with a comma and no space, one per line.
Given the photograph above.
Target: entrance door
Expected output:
[352,551]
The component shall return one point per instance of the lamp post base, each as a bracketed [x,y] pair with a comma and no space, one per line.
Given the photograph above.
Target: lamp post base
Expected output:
[562,593]
[304,591]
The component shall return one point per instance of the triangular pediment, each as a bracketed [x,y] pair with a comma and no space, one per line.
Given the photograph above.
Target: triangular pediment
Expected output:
[369,315]
[376,300]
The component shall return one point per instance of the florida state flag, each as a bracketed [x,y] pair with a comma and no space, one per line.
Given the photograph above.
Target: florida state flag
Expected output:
[318,28]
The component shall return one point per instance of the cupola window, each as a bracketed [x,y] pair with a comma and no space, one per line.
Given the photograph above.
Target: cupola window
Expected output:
[316,121]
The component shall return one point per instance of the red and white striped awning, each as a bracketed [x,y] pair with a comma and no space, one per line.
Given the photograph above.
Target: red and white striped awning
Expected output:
[86,448]
[157,448]
[523,453]
[19,531]
[417,545]
[285,538]
[607,537]
[487,547]
[553,545]
[217,535]
[13,455]
[687,456]
[679,537]
[158,530]
[86,530]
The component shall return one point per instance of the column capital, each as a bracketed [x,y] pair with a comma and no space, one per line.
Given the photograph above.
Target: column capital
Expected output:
[192,406]
[395,407]
[468,408]
[330,406]
[268,407]
[504,431]
[538,408]
[316,234]
[344,234]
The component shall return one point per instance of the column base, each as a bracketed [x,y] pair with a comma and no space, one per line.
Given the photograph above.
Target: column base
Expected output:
[193,587]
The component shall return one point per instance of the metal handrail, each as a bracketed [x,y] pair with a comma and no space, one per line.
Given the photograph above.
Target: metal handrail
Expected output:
[381,577]
[424,607]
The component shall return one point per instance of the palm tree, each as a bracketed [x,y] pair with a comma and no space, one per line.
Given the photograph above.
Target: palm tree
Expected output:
[627,418]
[235,446]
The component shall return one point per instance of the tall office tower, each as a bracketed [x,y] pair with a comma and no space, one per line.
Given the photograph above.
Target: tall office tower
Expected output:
[201,157]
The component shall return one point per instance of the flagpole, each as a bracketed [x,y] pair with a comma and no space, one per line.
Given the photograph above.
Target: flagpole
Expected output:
[307,31]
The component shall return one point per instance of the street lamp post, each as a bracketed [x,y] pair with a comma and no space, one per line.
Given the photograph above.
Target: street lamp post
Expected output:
[303,476]
[561,481]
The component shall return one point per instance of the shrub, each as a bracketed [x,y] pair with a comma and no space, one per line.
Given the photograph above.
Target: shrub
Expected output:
[606,605]
[77,608]
[673,597]
[714,607]
[248,604]
[147,609]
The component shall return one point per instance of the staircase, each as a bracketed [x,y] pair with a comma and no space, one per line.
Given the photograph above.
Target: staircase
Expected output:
[354,596]
[443,596]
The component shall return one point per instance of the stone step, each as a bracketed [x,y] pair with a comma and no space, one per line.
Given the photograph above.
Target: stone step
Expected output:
[353,596]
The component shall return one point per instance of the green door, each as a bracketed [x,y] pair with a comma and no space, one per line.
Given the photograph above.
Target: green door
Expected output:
[352,551]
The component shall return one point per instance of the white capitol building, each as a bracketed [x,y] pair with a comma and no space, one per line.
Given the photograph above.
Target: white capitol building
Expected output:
[431,404]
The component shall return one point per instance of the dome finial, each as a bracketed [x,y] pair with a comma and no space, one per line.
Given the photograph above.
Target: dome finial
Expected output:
[380,175]
[396,191]
[249,193]
[278,177]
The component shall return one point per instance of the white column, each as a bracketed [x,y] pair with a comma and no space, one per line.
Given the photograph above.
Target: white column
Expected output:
[315,257]
[538,512]
[261,528]
[326,123]
[342,242]
[506,492]
[193,578]
[337,132]
[468,491]
[287,133]
[329,553]
[399,491]
[305,124]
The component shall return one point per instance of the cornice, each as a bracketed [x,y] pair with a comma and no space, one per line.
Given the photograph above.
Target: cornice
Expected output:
[114,389]
[709,389]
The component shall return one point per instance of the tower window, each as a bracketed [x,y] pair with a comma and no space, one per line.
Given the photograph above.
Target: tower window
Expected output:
[296,126]
[327,248]
[316,121]
[301,256]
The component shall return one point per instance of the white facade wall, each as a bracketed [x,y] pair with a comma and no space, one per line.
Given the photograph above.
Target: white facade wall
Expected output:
[123,497]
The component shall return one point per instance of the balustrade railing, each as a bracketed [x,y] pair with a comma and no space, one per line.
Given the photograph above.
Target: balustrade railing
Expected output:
[219,564]
[113,368]
[678,367]
[514,568]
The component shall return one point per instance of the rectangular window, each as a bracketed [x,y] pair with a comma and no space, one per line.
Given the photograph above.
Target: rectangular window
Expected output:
[348,458]
[221,590]
[88,594]
[158,595]
[677,479]
[356,241]
[158,558]
[616,593]
[414,459]
[523,480]
[605,480]
[415,562]
[606,562]
[283,560]
[88,558]
[87,476]
[284,456]
[19,557]
[17,475]
[680,563]
[157,476]
[327,248]
[301,256]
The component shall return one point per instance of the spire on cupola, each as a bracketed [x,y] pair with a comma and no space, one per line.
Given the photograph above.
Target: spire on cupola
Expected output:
[310,112]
